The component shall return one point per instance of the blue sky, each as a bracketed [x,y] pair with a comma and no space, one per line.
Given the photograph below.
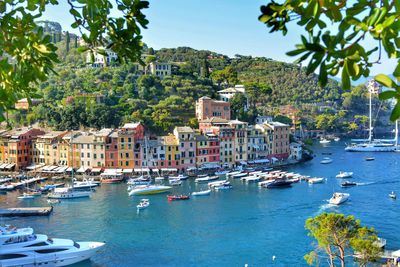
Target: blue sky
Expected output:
[226,26]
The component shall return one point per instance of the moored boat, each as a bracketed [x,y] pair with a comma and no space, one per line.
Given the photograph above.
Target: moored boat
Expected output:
[326,160]
[112,179]
[278,183]
[339,198]
[175,182]
[201,193]
[344,175]
[324,141]
[26,196]
[177,197]
[67,193]
[179,177]
[206,179]
[392,195]
[316,180]
[348,184]
[149,190]
[144,203]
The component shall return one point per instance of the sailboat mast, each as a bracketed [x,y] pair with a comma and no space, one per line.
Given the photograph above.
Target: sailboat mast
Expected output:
[72,159]
[370,115]
[396,132]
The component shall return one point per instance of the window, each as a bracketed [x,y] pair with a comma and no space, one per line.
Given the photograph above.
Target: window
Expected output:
[127,155]
[46,251]
[37,244]
[11,256]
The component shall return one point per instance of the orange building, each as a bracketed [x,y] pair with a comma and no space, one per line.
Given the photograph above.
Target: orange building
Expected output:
[130,138]
[208,108]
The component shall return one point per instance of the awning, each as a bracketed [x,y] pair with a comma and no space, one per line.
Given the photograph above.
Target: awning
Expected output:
[274,159]
[127,171]
[142,170]
[63,169]
[9,166]
[2,166]
[243,162]
[30,167]
[69,169]
[259,161]
[169,170]
[155,170]
[82,169]
[96,170]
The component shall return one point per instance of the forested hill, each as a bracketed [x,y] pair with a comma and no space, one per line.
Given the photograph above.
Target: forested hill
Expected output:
[288,82]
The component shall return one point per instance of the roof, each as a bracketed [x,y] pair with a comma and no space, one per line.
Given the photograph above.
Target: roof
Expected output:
[229,90]
[184,129]
[215,120]
[131,125]
[52,134]
[201,138]
[204,97]
[15,133]
[237,122]
[276,124]
[83,139]
[104,132]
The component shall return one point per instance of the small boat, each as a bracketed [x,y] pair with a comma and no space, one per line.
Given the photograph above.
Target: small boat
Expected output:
[139,181]
[67,193]
[316,180]
[336,139]
[326,153]
[175,182]
[393,195]
[229,174]
[249,179]
[179,177]
[177,197]
[206,179]
[348,184]
[26,196]
[326,160]
[144,203]
[212,185]
[159,178]
[370,159]
[53,201]
[112,180]
[149,190]
[324,141]
[278,183]
[344,175]
[239,175]
[201,193]
[339,198]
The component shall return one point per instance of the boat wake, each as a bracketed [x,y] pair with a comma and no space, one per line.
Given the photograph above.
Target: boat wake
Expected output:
[369,183]
[324,207]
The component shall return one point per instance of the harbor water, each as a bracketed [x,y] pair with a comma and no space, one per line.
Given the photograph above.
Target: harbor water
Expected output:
[244,225]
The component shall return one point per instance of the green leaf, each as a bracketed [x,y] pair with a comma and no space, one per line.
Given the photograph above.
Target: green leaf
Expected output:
[395,112]
[346,84]
[396,72]
[385,95]
[385,80]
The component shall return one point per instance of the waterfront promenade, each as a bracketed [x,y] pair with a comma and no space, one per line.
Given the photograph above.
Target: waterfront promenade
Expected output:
[231,228]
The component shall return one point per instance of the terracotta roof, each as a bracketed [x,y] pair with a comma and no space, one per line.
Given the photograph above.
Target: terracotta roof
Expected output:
[169,140]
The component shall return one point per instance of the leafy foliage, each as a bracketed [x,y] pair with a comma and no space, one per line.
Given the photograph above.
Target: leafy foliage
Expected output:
[342,50]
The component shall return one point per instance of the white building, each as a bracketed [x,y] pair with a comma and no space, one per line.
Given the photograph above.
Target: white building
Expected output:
[101,60]
[160,69]
[228,93]
[296,151]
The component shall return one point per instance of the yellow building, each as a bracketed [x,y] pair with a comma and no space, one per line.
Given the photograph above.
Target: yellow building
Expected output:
[46,148]
[172,155]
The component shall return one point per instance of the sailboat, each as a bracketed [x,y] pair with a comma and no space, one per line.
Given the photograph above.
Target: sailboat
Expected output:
[371,145]
[69,192]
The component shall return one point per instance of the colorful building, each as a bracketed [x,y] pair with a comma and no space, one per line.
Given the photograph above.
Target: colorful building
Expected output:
[130,139]
[207,108]
[278,140]
[187,147]
[207,150]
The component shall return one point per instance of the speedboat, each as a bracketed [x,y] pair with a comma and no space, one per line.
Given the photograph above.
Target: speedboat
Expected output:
[201,193]
[7,187]
[144,203]
[393,195]
[316,180]
[339,198]
[53,201]
[159,179]
[22,247]
[336,139]
[175,182]
[85,184]
[344,175]
[179,177]
[112,179]
[67,193]
[149,190]
[326,160]
[139,181]
[278,183]
[324,141]
[177,197]
[348,184]
[239,175]
[370,159]
[223,187]
[206,179]
[250,179]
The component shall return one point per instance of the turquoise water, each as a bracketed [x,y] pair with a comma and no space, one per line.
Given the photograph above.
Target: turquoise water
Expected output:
[229,228]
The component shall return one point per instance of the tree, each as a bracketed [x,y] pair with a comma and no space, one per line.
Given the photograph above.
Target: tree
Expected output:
[228,76]
[27,55]
[343,49]
[67,41]
[336,234]
[283,119]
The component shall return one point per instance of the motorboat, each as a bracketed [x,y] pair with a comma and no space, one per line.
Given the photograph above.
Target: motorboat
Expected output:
[250,179]
[326,153]
[239,175]
[264,183]
[370,159]
[278,183]
[179,177]
[222,172]
[26,196]
[175,182]
[53,201]
[374,146]
[111,179]
[230,174]
[393,195]
[159,179]
[149,190]
[206,179]
[324,141]
[348,184]
[177,197]
[336,139]
[316,180]
[7,187]
[144,203]
[344,175]
[85,184]
[48,187]
[339,198]
[139,181]
[22,247]
[201,193]
[211,185]
[67,193]
[326,160]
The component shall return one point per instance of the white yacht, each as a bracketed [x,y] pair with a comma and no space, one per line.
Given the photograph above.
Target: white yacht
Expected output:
[339,198]
[324,141]
[179,177]
[316,180]
[21,247]
[371,145]
[149,190]
[326,160]
[206,179]
[67,192]
[344,175]
[85,184]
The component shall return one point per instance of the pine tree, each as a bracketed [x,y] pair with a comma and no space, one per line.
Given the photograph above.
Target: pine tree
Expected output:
[67,40]
[204,72]
[76,42]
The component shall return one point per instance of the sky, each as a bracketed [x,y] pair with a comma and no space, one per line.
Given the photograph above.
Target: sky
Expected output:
[225,26]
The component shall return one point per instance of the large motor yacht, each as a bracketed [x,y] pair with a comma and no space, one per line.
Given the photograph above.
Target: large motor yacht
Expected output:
[67,193]
[21,247]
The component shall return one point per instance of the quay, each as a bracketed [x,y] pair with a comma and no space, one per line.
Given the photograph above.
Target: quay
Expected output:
[24,212]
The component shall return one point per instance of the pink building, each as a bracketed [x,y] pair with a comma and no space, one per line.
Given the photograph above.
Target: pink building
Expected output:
[187,147]
[208,108]
[207,150]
